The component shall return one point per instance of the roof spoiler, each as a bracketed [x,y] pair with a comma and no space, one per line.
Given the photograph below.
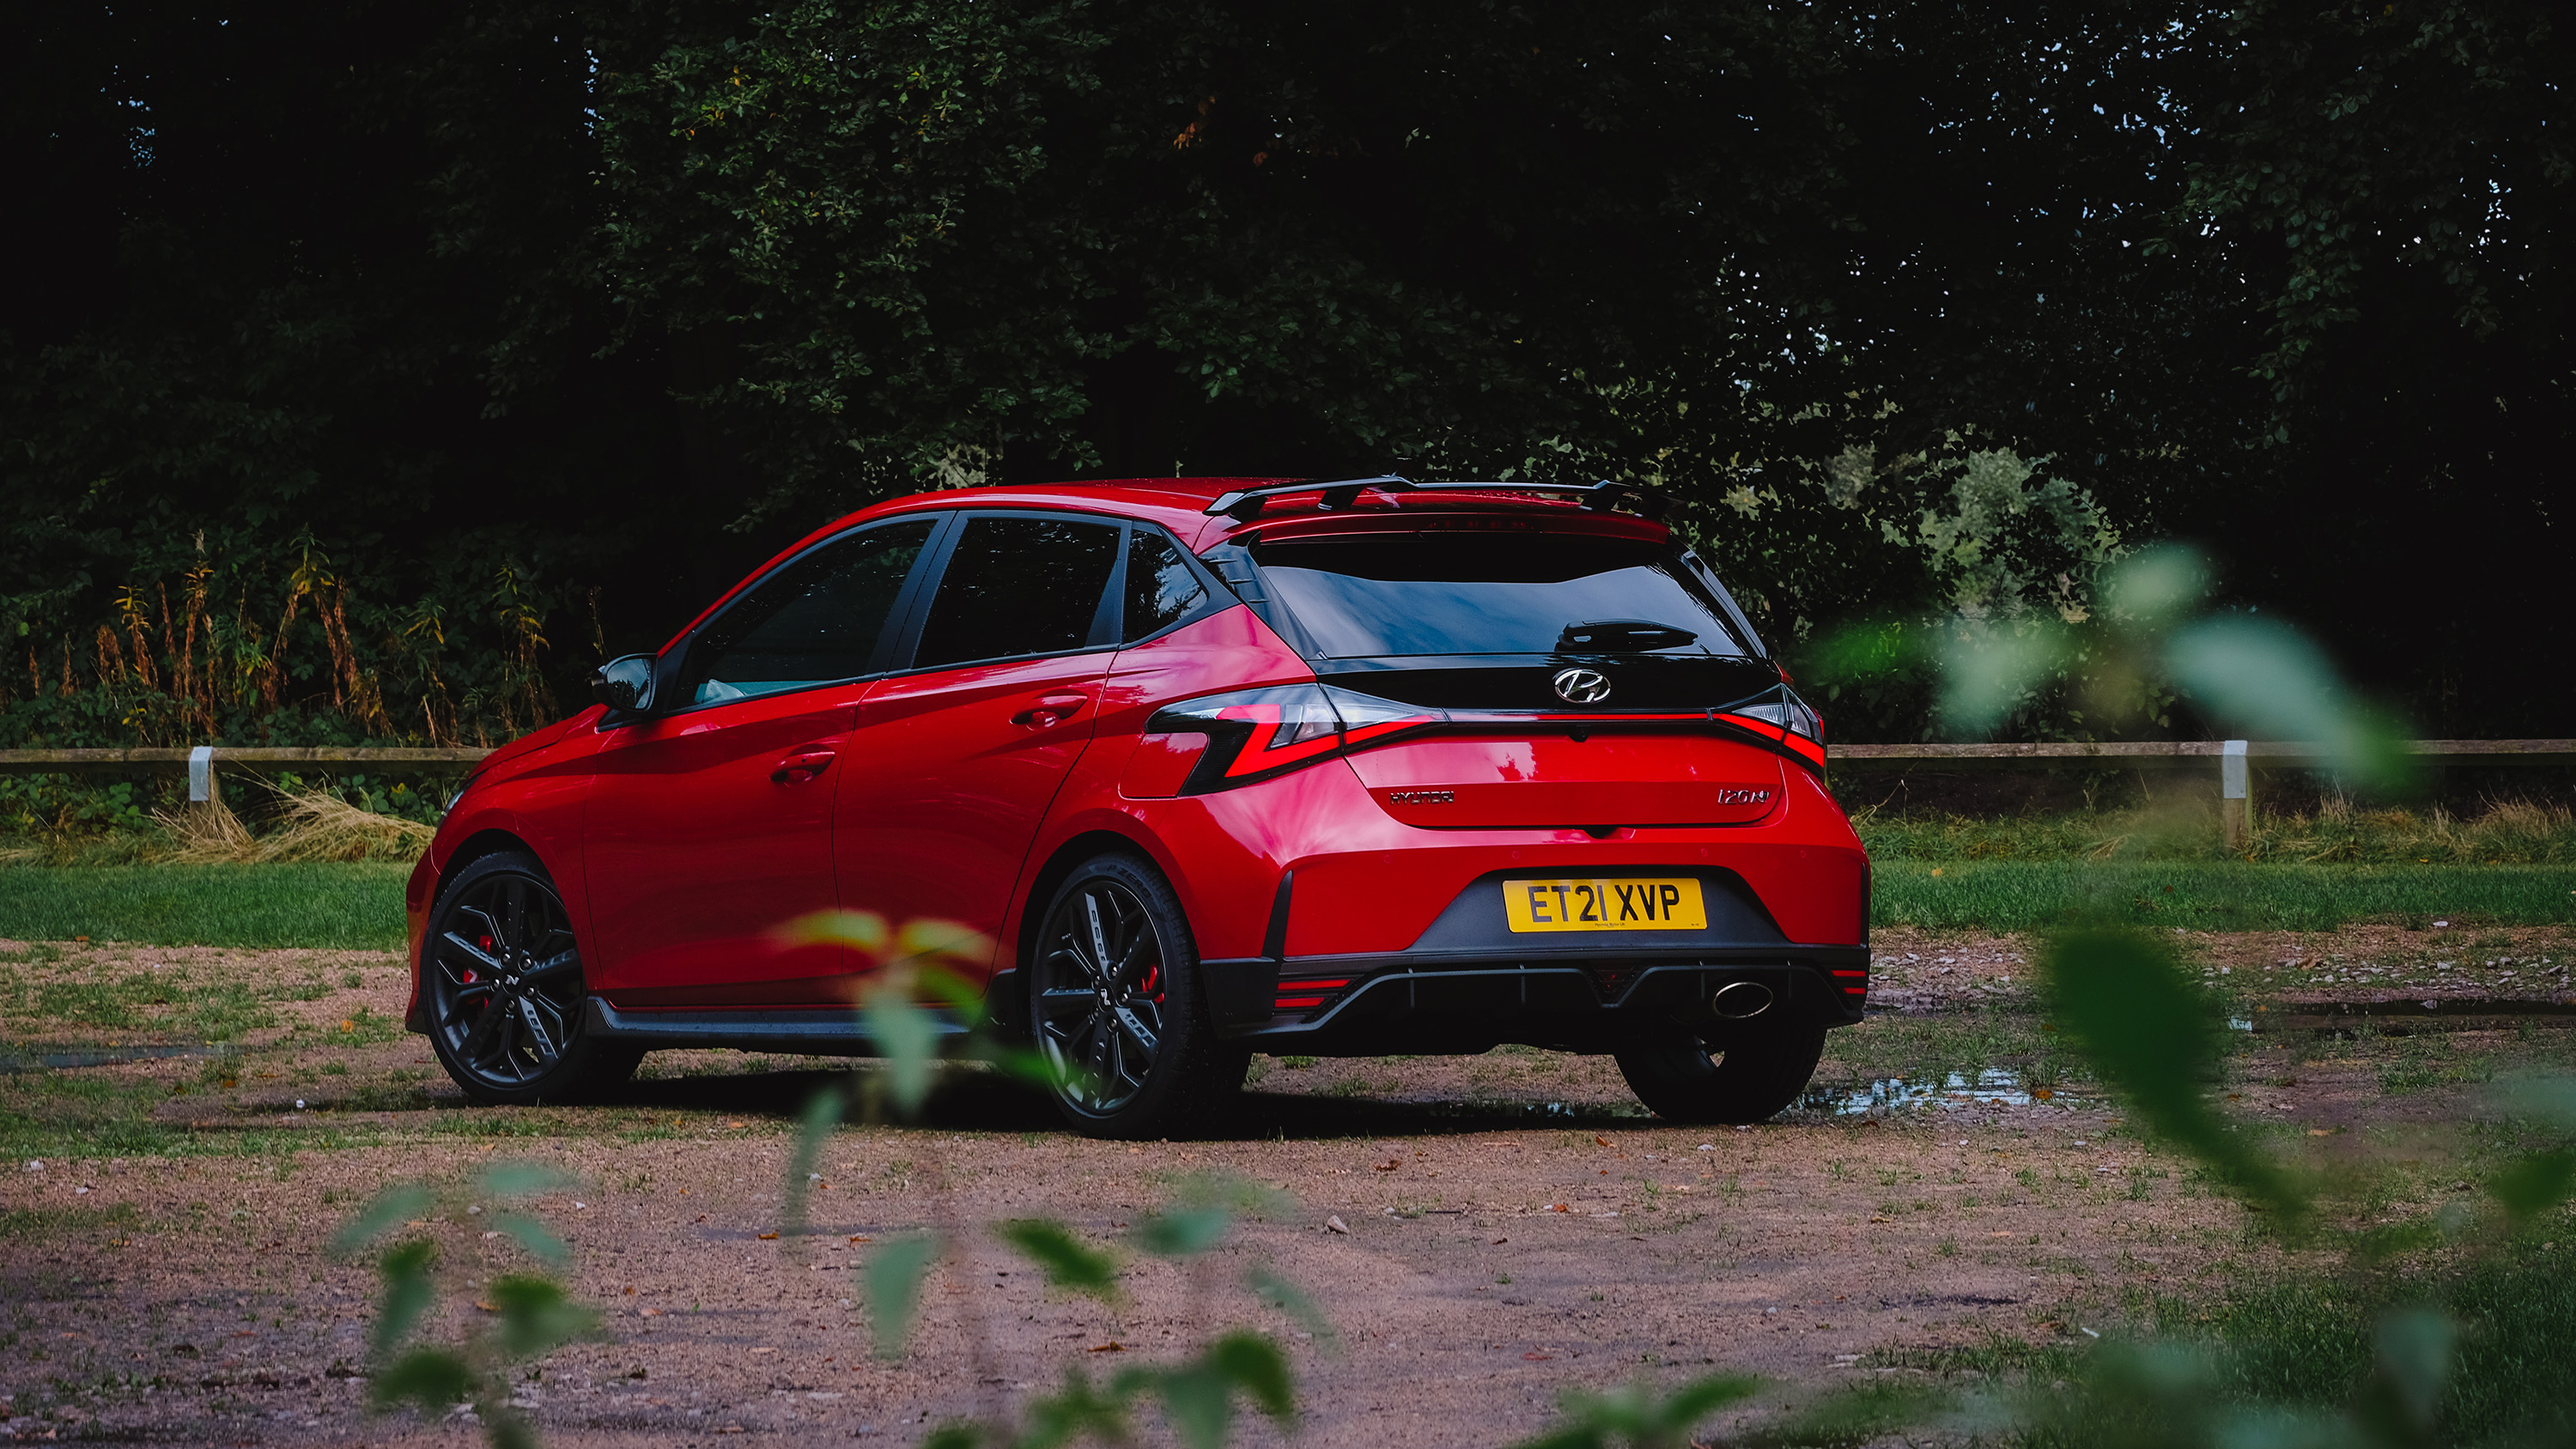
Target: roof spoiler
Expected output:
[1244,504]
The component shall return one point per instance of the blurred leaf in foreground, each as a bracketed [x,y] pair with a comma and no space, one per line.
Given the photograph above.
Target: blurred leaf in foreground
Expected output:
[1198,1396]
[2148,1030]
[1065,1260]
[1636,1417]
[399,1203]
[894,1277]
[2265,679]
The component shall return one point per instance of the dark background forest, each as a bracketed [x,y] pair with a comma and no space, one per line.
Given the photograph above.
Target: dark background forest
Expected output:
[372,371]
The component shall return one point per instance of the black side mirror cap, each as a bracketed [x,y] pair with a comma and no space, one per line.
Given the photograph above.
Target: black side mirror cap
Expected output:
[625,684]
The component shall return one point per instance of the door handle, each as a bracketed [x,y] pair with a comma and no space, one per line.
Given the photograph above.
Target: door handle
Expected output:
[802,766]
[1051,709]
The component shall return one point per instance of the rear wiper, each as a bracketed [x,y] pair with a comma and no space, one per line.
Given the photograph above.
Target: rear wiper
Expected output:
[1621,636]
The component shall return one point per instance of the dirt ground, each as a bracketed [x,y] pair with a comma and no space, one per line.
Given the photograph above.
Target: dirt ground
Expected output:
[1481,1234]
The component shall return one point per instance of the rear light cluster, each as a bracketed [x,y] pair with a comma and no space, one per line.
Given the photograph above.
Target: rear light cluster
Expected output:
[1781,718]
[1853,983]
[1254,734]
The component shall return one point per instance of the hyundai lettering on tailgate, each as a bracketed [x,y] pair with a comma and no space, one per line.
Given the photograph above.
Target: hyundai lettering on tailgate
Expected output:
[1617,904]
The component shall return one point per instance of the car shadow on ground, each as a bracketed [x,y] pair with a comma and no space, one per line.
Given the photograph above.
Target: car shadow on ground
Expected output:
[983,1101]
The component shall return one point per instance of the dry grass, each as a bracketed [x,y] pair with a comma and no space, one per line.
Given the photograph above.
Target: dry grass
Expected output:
[314,825]
[2506,832]
[2499,832]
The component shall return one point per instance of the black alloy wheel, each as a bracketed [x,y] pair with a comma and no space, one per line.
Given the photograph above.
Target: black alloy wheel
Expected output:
[504,981]
[1118,1009]
[1749,1078]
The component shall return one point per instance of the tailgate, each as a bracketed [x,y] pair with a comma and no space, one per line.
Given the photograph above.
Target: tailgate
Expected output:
[1554,781]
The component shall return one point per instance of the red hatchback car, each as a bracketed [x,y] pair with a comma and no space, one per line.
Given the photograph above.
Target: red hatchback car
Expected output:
[1198,767]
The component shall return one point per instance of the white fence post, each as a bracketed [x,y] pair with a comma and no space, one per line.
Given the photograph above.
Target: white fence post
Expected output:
[2235,793]
[205,792]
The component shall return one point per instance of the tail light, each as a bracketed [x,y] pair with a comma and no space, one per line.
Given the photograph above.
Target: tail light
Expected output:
[1255,734]
[1780,717]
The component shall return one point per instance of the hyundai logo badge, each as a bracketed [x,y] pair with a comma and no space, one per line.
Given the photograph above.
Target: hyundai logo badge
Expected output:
[1582,686]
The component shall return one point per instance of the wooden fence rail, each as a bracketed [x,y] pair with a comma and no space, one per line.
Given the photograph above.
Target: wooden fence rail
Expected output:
[2235,759]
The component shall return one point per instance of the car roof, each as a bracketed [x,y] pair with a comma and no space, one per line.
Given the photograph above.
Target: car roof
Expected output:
[1180,505]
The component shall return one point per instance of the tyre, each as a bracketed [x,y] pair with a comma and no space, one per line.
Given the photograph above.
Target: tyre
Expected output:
[1119,1009]
[506,993]
[1748,1080]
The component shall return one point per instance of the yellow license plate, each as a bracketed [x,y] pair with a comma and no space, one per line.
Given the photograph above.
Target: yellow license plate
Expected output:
[1616,904]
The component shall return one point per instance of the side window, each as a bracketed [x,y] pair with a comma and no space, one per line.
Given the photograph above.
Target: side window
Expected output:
[1162,589]
[814,620]
[1018,586]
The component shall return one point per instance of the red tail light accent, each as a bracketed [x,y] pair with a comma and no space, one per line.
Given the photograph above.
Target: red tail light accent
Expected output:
[1782,720]
[1851,988]
[1257,733]
[1308,994]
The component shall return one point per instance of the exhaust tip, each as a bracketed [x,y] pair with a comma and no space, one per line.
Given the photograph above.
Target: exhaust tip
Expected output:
[1737,1000]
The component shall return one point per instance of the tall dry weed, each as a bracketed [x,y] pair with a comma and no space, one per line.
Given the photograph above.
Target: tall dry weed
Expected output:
[314,825]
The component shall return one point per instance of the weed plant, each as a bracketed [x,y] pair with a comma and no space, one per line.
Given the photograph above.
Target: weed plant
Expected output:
[2500,832]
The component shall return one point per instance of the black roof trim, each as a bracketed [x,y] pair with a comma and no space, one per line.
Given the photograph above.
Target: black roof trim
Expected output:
[1244,504]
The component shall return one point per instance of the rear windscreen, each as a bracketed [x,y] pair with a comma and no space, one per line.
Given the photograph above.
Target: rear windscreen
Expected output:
[1362,595]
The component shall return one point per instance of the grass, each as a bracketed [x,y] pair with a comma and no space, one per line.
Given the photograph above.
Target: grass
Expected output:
[2014,895]
[2502,832]
[359,905]
[338,905]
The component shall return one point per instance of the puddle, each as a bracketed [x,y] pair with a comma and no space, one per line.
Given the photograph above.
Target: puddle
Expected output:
[14,1061]
[1993,1087]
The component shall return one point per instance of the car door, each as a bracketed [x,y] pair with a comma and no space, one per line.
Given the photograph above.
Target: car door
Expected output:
[709,822]
[957,758]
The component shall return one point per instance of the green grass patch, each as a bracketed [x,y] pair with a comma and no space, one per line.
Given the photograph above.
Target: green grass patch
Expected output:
[2215,895]
[352,906]
[2506,832]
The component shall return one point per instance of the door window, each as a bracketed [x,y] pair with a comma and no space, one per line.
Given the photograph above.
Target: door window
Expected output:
[1016,586]
[1162,589]
[815,619]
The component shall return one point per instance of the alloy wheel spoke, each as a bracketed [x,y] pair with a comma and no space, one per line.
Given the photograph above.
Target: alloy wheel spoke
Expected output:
[541,1037]
[487,1025]
[1068,948]
[1135,1030]
[551,966]
[514,911]
[1060,1002]
[1126,972]
[481,957]
[1099,942]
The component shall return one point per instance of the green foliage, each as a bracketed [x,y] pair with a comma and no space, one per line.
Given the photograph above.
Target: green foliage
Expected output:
[531,1313]
[1638,1417]
[1065,1260]
[2152,1034]
[1198,1396]
[893,1287]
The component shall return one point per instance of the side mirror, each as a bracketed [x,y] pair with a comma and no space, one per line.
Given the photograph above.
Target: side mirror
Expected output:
[625,684]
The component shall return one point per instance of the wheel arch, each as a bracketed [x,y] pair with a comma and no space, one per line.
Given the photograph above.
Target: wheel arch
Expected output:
[1002,998]
[489,841]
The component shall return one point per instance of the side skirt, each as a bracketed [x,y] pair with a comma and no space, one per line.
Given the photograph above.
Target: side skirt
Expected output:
[829,1033]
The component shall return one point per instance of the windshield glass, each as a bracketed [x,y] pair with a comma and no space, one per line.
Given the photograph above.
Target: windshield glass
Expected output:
[1364,595]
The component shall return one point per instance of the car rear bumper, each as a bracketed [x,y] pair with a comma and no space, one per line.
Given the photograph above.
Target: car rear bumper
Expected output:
[1568,1000]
